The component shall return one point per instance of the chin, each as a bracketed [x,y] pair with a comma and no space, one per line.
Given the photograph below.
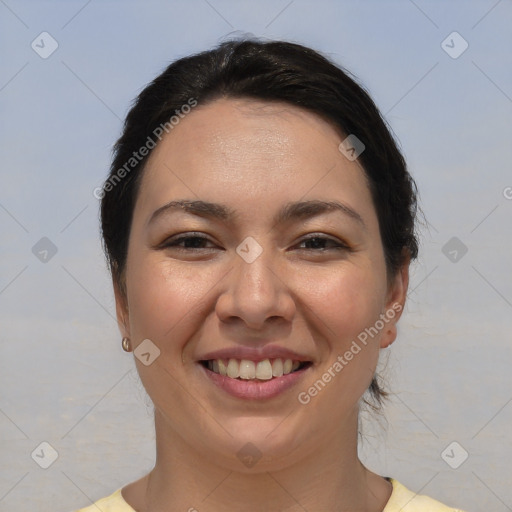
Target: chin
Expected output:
[259,444]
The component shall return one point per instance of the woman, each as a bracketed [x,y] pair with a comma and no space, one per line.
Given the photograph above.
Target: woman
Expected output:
[259,222]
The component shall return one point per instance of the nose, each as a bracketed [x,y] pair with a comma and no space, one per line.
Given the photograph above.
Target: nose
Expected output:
[257,293]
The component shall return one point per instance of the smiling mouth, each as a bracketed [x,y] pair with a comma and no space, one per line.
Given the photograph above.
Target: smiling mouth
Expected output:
[243,369]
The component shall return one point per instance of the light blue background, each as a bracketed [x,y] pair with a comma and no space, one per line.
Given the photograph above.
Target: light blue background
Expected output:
[63,376]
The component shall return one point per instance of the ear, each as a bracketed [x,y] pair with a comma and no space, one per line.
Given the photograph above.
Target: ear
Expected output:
[122,314]
[395,303]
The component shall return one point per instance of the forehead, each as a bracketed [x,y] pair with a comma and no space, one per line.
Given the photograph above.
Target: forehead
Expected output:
[236,131]
[254,154]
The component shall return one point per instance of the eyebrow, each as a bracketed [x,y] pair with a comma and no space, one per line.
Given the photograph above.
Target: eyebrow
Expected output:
[291,211]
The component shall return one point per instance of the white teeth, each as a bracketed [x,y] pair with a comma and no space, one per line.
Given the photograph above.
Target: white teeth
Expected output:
[223,369]
[264,370]
[233,369]
[277,368]
[249,370]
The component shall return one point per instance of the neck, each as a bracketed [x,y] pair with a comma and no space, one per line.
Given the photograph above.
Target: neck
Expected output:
[330,479]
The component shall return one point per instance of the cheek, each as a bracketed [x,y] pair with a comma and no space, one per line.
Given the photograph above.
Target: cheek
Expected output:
[162,300]
[165,303]
[348,302]
[346,306]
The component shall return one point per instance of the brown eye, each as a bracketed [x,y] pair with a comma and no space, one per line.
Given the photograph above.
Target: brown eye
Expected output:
[322,243]
[187,242]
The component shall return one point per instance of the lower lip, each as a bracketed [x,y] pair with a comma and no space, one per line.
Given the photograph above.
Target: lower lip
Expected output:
[255,389]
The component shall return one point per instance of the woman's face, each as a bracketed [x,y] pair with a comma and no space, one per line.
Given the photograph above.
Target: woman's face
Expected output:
[259,270]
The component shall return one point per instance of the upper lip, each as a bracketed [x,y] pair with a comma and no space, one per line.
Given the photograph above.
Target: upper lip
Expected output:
[254,353]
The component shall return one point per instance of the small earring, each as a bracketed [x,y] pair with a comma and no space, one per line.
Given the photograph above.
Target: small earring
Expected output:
[126,344]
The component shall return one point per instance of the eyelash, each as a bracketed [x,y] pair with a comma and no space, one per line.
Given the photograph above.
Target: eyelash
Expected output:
[174,242]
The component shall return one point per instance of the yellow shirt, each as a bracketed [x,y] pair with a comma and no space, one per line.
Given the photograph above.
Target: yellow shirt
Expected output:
[401,500]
